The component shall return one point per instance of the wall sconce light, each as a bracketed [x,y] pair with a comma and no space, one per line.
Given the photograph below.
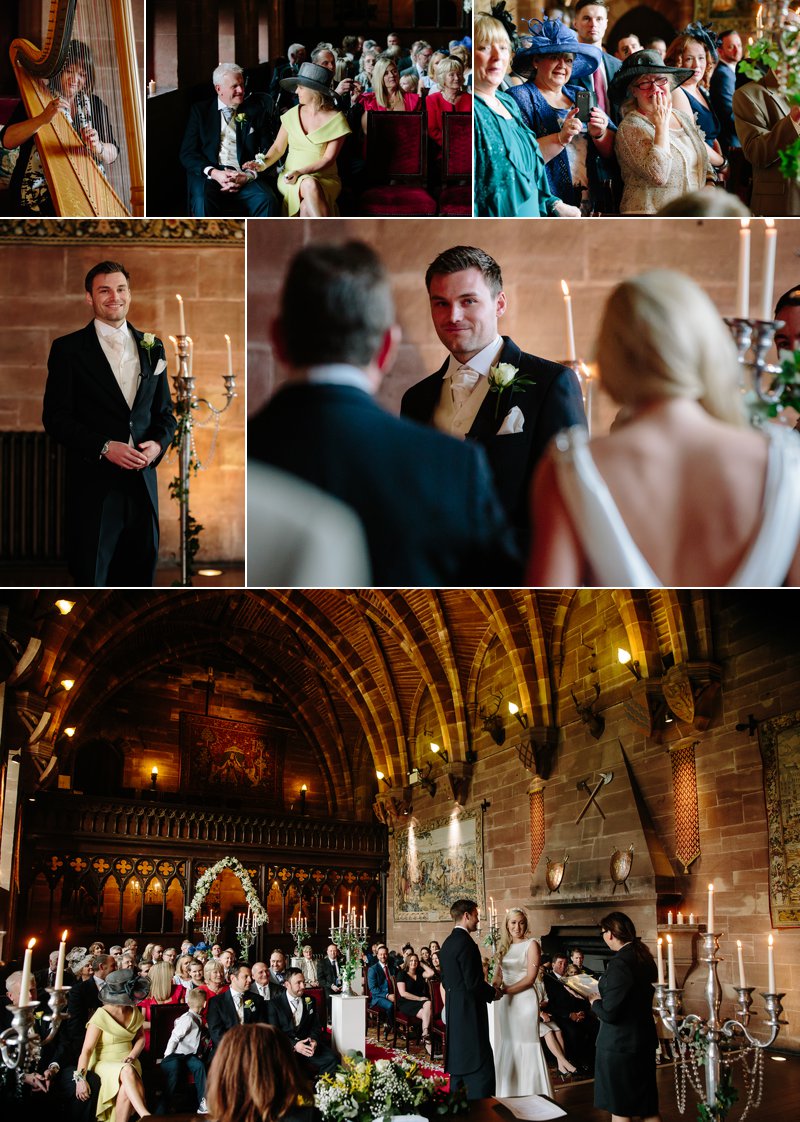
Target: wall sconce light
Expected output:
[303,790]
[493,722]
[437,751]
[380,776]
[65,606]
[153,778]
[515,711]
[624,657]
[415,776]
[67,683]
[70,731]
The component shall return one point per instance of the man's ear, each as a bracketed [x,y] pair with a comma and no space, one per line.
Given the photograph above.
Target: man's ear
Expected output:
[501,305]
[88,296]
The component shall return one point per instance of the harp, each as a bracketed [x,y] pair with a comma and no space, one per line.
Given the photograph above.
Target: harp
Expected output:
[79,183]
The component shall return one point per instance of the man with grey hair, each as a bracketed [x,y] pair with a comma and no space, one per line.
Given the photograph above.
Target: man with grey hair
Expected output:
[296,54]
[222,135]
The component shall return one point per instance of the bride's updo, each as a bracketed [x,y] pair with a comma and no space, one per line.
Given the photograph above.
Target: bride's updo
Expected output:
[505,940]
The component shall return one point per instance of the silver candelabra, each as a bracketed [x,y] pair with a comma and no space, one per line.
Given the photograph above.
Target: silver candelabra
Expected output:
[753,339]
[210,928]
[350,936]
[20,1044]
[713,1043]
[246,933]
[584,376]
[187,404]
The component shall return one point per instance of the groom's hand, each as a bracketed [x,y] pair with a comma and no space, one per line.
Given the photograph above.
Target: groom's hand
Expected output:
[126,457]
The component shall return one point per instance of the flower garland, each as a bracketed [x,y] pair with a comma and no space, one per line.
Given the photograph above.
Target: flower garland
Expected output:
[210,875]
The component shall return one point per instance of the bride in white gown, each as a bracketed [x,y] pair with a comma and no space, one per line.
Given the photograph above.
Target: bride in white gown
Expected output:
[684,493]
[519,1062]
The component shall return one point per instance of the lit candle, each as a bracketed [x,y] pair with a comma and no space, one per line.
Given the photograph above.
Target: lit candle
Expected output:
[671,963]
[179,298]
[230,355]
[767,291]
[331,917]
[348,903]
[660,962]
[742,982]
[711,907]
[570,329]
[771,987]
[691,919]
[680,917]
[669,917]
[340,915]
[151,87]
[743,287]
[25,984]
[364,917]
[62,952]
[190,341]
[492,912]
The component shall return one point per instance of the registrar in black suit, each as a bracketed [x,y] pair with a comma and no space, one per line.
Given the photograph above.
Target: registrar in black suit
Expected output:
[468,1056]
[553,403]
[112,513]
[282,1017]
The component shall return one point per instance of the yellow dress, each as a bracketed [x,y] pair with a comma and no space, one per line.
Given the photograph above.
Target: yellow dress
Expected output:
[109,1055]
[306,149]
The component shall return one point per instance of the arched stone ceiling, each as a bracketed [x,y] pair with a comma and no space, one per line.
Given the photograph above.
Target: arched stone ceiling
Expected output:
[349,667]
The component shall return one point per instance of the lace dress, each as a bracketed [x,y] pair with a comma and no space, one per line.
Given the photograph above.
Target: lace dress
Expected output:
[520,1066]
[654,177]
[615,558]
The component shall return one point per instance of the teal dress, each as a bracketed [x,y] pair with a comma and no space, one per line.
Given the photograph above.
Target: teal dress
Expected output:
[510,175]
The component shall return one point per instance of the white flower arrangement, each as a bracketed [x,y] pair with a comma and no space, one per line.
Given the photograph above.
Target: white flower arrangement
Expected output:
[210,875]
[503,377]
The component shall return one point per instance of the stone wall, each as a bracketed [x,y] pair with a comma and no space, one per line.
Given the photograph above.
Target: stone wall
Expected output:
[759,665]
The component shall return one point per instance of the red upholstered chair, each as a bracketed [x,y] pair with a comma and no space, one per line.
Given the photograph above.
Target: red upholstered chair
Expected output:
[396,166]
[455,199]
[438,1029]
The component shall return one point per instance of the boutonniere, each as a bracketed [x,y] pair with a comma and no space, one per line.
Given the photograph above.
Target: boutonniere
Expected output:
[149,341]
[308,1002]
[504,376]
[248,1003]
[240,118]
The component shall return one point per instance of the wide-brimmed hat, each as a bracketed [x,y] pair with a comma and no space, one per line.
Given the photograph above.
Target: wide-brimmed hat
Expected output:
[313,77]
[124,987]
[552,37]
[640,63]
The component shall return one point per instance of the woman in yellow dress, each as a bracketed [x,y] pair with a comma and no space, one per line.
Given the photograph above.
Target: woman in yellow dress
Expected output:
[114,1038]
[314,132]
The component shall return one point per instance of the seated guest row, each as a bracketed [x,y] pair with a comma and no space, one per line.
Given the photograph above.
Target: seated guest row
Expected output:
[553,139]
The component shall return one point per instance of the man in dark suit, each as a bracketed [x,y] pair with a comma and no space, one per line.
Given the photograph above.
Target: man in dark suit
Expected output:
[296,1017]
[107,401]
[571,1013]
[767,123]
[380,979]
[261,983]
[425,500]
[515,425]
[590,22]
[237,1005]
[723,84]
[468,1056]
[277,971]
[329,975]
[222,135]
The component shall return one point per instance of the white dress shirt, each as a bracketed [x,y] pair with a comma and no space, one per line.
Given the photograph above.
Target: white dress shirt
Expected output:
[120,349]
[186,1035]
[464,388]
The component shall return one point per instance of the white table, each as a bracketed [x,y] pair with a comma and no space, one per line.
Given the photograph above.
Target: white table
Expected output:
[349,1023]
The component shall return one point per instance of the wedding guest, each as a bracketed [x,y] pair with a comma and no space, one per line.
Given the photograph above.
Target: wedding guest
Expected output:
[722,86]
[409,83]
[183,1053]
[162,991]
[255,1077]
[520,1066]
[549,1031]
[181,977]
[766,124]
[625,510]
[309,967]
[625,1063]
[787,309]
[571,1014]
[450,97]
[429,82]
[111,1048]
[387,96]
[590,22]
[413,998]
[694,49]
[627,45]
[313,132]
[213,978]
[510,176]
[577,155]
[660,150]
[235,1006]
[382,984]
[296,1016]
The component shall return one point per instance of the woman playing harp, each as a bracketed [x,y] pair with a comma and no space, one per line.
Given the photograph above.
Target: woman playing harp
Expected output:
[85,111]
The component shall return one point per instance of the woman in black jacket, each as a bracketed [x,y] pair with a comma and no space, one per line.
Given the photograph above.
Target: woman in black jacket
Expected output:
[625,1065]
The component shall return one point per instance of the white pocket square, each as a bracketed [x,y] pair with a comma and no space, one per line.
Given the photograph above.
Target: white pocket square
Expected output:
[162,365]
[513,422]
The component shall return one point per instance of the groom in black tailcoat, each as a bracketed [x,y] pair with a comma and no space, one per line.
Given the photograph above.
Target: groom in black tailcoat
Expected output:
[468,1056]
[107,401]
[514,425]
[296,1017]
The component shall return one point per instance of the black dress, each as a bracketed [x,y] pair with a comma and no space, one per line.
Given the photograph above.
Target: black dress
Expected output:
[417,986]
[625,1064]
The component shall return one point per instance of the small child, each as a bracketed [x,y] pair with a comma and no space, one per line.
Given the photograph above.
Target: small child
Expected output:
[185,1048]
[409,83]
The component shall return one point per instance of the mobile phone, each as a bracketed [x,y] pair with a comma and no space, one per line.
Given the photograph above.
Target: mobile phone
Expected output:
[584,99]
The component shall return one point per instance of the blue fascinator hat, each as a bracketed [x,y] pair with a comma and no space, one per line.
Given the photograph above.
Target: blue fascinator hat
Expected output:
[552,37]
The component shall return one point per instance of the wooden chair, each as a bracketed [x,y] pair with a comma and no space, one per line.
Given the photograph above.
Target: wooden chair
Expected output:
[375,1014]
[455,199]
[396,159]
[438,1030]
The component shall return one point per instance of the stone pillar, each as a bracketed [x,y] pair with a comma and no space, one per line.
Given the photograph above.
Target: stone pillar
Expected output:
[198,41]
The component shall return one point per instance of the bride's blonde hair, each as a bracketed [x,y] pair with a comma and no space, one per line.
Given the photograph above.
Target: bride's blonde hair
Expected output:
[661,336]
[505,941]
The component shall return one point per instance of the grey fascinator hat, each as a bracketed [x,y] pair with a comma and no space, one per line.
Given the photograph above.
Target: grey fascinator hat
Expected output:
[124,987]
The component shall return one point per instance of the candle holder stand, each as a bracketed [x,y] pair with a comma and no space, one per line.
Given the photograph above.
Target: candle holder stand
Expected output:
[299,933]
[350,937]
[186,405]
[753,338]
[713,1044]
[585,381]
[210,930]
[20,1044]
[246,936]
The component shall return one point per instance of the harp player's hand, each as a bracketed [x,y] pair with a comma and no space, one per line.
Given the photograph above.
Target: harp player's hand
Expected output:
[49,111]
[92,140]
